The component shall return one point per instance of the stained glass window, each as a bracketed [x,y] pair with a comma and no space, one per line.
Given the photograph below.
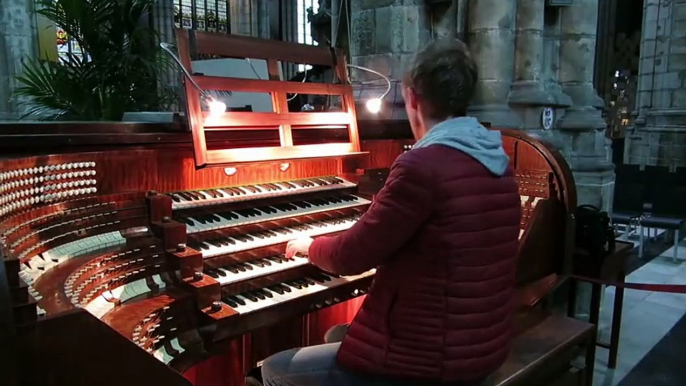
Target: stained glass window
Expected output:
[202,15]
[66,45]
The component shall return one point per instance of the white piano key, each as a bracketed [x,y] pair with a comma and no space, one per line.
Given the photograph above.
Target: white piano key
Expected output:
[280,214]
[239,246]
[276,299]
[260,271]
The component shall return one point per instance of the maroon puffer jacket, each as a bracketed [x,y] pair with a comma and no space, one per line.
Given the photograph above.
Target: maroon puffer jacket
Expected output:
[443,235]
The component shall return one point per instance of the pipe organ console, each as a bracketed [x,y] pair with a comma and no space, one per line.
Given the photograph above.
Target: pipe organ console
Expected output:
[188,264]
[129,265]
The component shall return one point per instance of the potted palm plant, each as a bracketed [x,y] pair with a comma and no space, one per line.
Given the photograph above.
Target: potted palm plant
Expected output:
[117,70]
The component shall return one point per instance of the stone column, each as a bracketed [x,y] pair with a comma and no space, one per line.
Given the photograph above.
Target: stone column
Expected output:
[528,87]
[582,127]
[659,135]
[18,42]
[577,63]
[244,17]
[491,39]
[551,47]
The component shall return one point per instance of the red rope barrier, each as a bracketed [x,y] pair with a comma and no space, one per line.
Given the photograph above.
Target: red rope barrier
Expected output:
[669,288]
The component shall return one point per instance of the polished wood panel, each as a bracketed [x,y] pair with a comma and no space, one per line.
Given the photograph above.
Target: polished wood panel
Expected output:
[61,355]
[280,118]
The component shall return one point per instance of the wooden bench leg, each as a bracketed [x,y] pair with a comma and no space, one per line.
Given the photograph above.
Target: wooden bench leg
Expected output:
[676,244]
[616,322]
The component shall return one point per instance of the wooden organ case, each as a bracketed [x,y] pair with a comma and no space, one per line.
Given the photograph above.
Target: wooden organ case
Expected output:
[134,263]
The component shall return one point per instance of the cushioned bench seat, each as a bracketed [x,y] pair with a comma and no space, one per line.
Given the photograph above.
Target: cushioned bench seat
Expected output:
[662,222]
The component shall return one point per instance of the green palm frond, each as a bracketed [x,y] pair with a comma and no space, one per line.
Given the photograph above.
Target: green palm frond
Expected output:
[118,71]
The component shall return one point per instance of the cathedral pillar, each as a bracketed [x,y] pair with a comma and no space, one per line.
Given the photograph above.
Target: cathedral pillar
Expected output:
[528,88]
[17,43]
[659,133]
[491,38]
[251,17]
[582,129]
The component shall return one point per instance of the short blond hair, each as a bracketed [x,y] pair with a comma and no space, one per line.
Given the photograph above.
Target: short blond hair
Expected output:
[443,75]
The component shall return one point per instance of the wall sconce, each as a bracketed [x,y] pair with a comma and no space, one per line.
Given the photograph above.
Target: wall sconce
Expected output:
[374,104]
[216,107]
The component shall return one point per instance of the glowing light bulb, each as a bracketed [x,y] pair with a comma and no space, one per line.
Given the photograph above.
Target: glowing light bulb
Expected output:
[374,105]
[216,107]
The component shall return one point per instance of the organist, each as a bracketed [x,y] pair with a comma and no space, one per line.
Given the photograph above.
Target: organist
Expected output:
[443,235]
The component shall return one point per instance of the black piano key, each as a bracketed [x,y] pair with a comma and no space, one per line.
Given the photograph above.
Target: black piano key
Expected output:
[258,294]
[230,302]
[174,197]
[196,195]
[278,289]
[228,191]
[251,189]
[186,196]
[219,272]
[250,296]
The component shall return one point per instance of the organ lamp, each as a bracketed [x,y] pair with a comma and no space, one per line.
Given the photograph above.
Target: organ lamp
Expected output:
[215,107]
[374,105]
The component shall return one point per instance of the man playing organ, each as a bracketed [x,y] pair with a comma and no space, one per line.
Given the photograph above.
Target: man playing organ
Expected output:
[443,236]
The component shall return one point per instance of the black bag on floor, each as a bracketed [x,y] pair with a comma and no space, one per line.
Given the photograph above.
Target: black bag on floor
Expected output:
[594,231]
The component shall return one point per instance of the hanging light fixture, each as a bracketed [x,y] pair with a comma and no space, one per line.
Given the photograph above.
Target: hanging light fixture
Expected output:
[374,104]
[215,106]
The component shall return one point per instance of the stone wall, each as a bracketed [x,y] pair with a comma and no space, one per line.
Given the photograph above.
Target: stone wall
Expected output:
[658,136]
[17,42]
[529,57]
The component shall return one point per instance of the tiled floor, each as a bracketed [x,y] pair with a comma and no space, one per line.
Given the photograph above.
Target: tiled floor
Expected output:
[647,319]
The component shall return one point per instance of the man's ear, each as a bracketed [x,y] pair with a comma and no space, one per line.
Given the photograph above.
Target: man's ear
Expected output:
[411,96]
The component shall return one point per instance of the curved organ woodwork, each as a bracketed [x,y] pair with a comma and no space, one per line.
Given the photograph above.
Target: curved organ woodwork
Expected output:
[134,258]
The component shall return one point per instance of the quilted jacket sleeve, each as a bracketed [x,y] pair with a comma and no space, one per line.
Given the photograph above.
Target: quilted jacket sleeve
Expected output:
[399,209]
